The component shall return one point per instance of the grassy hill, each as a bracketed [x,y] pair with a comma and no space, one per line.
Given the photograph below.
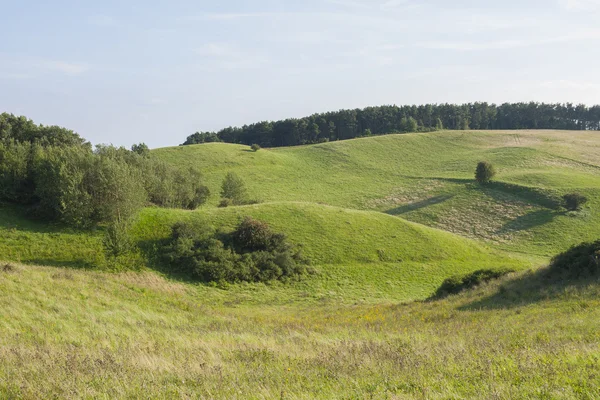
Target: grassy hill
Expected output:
[362,256]
[360,208]
[428,178]
[82,334]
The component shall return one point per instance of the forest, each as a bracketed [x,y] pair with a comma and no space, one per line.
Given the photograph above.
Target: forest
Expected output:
[349,124]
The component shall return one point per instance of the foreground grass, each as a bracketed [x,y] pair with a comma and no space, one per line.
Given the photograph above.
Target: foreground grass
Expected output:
[74,334]
[428,178]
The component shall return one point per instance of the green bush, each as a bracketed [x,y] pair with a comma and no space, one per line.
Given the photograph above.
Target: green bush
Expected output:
[579,261]
[484,173]
[234,189]
[252,253]
[255,147]
[459,283]
[574,201]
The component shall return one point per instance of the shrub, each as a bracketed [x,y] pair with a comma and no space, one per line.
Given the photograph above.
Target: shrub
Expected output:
[484,173]
[142,149]
[234,189]
[255,147]
[459,283]
[117,240]
[224,203]
[252,253]
[579,261]
[574,201]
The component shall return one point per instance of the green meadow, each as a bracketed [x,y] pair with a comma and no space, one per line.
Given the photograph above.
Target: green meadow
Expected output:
[384,221]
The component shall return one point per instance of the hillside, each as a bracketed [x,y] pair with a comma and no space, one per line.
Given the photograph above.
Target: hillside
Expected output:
[428,178]
[358,255]
[79,334]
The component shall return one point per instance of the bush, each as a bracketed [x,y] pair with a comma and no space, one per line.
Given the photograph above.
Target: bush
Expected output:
[234,189]
[579,261]
[574,201]
[117,240]
[224,203]
[252,253]
[459,283]
[484,173]
[255,147]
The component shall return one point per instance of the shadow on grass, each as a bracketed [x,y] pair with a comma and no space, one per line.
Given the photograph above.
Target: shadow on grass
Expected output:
[529,288]
[71,264]
[528,221]
[532,195]
[419,204]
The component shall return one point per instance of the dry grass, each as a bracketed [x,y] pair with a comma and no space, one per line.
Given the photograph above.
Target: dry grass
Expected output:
[89,337]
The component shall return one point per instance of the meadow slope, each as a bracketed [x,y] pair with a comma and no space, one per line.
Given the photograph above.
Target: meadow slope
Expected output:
[428,178]
[82,334]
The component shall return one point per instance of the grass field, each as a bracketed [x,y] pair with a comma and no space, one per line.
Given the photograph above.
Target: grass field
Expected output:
[80,334]
[428,178]
[384,221]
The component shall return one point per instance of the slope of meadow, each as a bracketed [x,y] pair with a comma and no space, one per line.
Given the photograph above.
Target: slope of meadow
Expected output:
[362,256]
[82,334]
[428,178]
[360,210]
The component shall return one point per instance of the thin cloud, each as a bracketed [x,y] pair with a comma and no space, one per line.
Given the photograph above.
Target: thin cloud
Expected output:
[64,67]
[225,56]
[578,5]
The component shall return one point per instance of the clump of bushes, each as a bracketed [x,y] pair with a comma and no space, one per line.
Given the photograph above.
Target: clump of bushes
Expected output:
[484,173]
[579,261]
[574,201]
[251,253]
[255,147]
[460,283]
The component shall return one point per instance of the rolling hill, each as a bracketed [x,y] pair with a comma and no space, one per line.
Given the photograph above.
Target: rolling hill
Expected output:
[428,178]
[384,221]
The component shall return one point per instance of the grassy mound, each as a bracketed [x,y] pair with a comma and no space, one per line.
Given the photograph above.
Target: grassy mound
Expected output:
[428,178]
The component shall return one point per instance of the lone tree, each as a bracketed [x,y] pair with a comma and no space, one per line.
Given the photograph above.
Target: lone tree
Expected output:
[484,173]
[255,147]
[233,189]
[574,201]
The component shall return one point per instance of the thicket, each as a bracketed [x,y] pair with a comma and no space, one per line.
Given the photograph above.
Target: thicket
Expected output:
[459,283]
[349,124]
[251,253]
[574,201]
[60,177]
[578,262]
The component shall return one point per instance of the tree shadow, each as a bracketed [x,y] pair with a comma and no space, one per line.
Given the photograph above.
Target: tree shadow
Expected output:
[532,195]
[528,221]
[418,205]
[529,288]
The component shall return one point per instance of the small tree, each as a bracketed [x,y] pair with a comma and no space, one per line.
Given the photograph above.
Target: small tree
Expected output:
[485,172]
[255,147]
[141,149]
[574,201]
[234,189]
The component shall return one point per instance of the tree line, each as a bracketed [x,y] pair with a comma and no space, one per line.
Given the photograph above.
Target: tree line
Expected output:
[349,124]
[59,177]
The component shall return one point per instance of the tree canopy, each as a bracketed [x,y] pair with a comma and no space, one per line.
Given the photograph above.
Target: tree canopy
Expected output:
[349,124]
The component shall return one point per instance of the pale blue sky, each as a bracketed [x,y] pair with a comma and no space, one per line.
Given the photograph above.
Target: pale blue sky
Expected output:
[128,71]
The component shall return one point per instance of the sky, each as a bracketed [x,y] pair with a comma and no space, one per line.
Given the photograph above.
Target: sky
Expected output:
[131,71]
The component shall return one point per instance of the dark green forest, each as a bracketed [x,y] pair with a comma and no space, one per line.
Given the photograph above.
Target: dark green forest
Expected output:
[349,124]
